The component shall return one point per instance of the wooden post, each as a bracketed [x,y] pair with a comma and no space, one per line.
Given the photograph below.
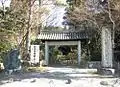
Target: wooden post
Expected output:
[46,52]
[79,52]
[106,48]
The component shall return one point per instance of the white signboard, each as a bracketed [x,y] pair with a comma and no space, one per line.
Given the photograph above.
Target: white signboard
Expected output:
[34,54]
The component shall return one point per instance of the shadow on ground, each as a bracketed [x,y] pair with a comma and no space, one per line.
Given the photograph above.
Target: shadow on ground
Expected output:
[56,73]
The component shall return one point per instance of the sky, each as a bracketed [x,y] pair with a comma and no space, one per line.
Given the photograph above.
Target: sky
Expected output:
[7,2]
[57,13]
[56,18]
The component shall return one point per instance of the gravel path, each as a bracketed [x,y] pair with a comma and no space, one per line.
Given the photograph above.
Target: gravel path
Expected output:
[60,76]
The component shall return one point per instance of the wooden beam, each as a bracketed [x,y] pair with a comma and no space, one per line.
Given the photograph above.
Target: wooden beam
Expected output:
[63,43]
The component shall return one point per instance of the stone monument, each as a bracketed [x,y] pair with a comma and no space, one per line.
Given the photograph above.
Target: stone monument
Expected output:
[12,61]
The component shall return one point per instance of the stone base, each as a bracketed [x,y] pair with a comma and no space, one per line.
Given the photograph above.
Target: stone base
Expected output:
[43,63]
[106,71]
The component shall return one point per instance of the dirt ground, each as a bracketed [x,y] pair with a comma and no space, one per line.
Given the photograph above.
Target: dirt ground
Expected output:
[58,77]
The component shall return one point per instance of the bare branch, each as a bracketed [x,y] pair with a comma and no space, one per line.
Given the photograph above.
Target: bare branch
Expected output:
[113,22]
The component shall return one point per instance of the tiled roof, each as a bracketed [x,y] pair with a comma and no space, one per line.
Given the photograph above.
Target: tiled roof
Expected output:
[63,35]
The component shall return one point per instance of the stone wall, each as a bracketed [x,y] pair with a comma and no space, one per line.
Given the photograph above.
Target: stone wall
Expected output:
[94,64]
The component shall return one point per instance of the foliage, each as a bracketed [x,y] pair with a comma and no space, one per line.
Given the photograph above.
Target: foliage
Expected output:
[64,49]
[5,46]
[11,23]
[50,28]
[31,14]
[98,13]
[95,14]
[57,57]
[60,2]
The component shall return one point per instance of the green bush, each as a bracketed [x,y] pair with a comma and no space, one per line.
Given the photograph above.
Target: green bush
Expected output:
[5,46]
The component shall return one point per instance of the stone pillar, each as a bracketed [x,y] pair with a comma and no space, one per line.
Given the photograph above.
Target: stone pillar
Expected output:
[79,52]
[46,52]
[106,48]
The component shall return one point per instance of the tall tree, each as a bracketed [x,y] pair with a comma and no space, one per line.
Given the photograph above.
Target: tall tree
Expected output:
[32,11]
[97,14]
